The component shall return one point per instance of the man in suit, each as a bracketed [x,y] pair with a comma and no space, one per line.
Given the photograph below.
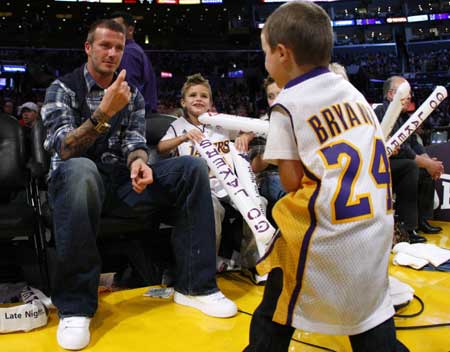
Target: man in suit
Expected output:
[413,172]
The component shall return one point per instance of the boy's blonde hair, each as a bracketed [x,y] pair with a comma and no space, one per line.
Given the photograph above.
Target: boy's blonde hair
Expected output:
[194,80]
[303,27]
[267,82]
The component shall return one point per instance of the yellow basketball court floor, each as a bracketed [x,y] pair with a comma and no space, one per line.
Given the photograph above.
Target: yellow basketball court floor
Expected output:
[128,321]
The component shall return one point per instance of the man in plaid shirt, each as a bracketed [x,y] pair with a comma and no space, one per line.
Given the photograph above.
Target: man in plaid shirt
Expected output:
[95,132]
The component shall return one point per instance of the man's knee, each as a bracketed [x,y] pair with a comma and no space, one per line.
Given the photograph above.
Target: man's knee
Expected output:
[81,170]
[79,175]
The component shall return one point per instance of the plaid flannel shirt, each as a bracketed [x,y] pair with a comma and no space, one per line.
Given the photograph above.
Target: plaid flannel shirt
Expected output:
[59,115]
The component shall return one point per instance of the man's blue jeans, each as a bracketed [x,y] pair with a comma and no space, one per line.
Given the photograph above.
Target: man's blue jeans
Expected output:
[77,192]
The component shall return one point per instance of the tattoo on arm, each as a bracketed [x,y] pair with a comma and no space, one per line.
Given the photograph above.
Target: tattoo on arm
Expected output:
[100,116]
[78,141]
[137,154]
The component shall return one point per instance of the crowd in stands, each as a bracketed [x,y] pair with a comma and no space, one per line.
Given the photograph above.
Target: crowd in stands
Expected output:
[243,95]
[377,64]
[429,61]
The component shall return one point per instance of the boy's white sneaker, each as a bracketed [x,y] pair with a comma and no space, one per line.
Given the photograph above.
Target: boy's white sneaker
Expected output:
[215,304]
[73,333]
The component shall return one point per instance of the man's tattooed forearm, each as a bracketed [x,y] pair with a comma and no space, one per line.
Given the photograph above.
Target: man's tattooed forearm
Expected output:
[100,116]
[78,141]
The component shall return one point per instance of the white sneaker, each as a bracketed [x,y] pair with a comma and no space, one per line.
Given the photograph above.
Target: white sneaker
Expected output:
[215,304]
[73,333]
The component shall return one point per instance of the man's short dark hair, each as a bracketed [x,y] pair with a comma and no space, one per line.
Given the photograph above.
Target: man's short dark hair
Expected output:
[104,23]
[128,20]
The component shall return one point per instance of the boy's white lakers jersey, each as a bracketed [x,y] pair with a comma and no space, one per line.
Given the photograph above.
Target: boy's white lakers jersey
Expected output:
[220,138]
[336,231]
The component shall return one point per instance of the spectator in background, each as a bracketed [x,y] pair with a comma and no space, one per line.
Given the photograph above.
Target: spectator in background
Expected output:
[8,107]
[268,177]
[140,71]
[413,172]
[28,114]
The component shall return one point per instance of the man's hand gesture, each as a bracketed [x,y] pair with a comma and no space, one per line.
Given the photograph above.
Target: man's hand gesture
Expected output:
[117,95]
[141,175]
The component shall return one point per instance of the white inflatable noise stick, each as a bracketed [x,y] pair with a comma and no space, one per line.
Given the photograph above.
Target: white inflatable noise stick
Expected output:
[235,123]
[436,97]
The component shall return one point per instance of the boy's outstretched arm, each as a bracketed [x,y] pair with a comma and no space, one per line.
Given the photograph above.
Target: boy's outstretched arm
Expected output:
[291,174]
[169,145]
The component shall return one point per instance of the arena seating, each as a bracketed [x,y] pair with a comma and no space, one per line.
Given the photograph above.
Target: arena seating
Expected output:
[20,220]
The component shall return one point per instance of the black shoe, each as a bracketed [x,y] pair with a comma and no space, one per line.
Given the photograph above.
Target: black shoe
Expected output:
[425,227]
[415,238]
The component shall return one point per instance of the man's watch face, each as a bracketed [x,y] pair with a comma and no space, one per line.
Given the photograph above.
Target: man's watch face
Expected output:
[102,127]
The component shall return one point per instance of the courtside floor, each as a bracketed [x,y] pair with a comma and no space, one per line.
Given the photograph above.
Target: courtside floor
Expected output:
[128,321]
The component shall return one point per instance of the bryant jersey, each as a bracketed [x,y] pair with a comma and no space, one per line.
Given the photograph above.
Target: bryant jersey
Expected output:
[336,231]
[218,136]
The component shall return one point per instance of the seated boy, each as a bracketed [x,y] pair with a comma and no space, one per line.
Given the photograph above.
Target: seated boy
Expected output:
[196,99]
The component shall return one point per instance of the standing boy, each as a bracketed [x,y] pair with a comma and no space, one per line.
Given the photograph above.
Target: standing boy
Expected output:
[328,265]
